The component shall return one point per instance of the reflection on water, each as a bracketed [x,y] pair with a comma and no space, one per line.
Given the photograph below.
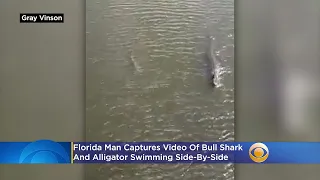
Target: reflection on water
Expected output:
[146,80]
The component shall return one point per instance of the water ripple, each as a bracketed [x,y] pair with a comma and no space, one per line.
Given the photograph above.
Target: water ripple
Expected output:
[168,99]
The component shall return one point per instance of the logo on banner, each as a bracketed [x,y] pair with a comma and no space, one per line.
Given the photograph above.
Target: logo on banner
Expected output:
[44,151]
[258,152]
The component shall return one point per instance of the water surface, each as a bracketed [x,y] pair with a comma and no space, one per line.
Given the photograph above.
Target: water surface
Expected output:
[146,80]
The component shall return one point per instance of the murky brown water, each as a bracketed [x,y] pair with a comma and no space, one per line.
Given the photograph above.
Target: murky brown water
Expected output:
[146,82]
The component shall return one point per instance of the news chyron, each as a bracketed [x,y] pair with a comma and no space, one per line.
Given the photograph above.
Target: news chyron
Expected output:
[41,18]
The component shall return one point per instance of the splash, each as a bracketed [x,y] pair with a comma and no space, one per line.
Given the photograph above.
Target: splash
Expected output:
[219,71]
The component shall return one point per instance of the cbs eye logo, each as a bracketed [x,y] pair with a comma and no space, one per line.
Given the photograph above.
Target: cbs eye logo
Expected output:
[258,152]
[44,151]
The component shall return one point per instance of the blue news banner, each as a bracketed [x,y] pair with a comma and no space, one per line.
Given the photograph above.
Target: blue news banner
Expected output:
[50,152]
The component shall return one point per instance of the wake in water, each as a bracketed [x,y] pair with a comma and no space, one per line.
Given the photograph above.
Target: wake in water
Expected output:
[214,65]
[135,64]
[218,76]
